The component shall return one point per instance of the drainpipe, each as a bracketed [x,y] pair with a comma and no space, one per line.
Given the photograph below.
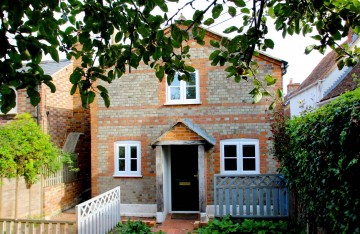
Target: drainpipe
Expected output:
[38,107]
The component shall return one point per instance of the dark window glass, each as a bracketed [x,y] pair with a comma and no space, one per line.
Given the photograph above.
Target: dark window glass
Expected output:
[230,164]
[121,164]
[192,80]
[133,151]
[248,151]
[249,164]
[229,151]
[121,152]
[133,165]
[190,93]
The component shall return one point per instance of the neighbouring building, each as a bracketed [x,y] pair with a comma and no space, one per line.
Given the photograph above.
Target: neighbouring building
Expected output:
[325,83]
[61,116]
[163,143]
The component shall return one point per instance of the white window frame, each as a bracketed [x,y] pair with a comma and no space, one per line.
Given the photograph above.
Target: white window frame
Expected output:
[239,143]
[14,110]
[127,172]
[183,99]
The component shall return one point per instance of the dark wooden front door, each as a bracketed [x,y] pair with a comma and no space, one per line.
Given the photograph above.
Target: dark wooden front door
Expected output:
[184,178]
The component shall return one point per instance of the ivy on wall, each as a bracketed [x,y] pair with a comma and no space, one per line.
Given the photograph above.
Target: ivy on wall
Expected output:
[320,158]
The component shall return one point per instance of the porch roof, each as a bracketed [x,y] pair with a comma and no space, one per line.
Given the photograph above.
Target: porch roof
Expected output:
[193,127]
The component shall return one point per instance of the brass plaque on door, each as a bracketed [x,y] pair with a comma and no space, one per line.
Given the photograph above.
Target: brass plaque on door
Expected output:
[184,183]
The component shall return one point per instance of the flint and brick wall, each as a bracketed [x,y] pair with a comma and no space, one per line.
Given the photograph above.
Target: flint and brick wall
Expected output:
[139,112]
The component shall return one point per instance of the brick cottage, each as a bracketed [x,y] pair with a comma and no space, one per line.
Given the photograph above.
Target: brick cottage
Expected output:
[163,144]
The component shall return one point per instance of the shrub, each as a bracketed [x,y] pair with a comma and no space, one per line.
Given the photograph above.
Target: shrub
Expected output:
[226,225]
[132,227]
[319,157]
[25,150]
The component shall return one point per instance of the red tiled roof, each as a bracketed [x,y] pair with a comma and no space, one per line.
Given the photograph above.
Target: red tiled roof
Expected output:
[320,71]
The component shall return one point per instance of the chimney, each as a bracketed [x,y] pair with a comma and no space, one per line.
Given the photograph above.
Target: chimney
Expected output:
[291,87]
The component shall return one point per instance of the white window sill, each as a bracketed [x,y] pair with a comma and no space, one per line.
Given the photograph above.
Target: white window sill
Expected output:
[9,113]
[239,173]
[127,175]
[181,103]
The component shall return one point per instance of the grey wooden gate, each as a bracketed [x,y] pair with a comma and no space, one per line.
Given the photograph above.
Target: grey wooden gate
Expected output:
[250,196]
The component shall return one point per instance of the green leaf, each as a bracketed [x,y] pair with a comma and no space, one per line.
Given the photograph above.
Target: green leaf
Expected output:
[209,21]
[189,69]
[54,53]
[90,97]
[51,86]
[272,106]
[216,11]
[269,43]
[106,99]
[309,48]
[214,43]
[118,37]
[230,29]
[214,54]
[232,11]
[102,89]
[73,89]
[317,37]
[75,77]
[270,80]
[159,71]
[239,3]
[245,10]
[279,93]
[257,97]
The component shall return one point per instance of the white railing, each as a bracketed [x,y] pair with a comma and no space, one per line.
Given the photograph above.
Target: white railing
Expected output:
[28,226]
[64,175]
[99,214]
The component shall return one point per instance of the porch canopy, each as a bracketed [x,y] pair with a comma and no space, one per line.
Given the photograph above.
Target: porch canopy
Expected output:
[176,135]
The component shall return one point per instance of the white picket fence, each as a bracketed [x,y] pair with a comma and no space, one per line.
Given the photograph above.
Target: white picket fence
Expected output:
[29,226]
[99,214]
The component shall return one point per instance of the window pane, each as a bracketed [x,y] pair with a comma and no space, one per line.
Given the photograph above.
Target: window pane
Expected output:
[121,152]
[249,164]
[229,151]
[175,93]
[121,164]
[249,151]
[176,81]
[133,151]
[191,93]
[230,164]
[133,165]
[192,80]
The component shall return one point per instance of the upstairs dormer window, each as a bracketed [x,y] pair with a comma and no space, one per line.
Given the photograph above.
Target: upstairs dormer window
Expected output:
[183,92]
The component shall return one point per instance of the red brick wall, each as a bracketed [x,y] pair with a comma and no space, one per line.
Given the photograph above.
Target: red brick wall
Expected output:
[180,132]
[62,196]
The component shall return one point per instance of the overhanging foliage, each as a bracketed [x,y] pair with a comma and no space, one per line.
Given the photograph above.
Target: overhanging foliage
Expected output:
[86,29]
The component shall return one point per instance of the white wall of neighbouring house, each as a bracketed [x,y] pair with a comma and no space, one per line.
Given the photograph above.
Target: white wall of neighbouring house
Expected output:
[304,100]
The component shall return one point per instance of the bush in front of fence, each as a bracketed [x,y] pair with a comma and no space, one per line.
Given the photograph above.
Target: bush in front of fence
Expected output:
[26,150]
[228,225]
[131,227]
